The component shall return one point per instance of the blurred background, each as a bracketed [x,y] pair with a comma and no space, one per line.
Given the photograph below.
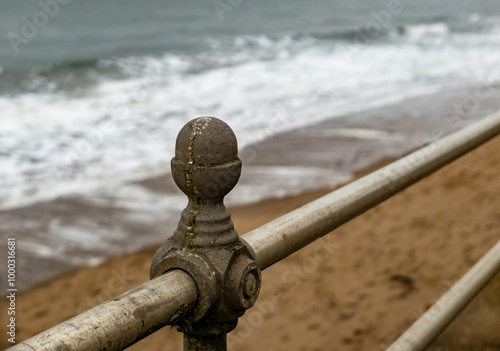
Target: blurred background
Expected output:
[93,94]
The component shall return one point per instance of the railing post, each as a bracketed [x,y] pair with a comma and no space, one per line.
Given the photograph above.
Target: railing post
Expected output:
[205,244]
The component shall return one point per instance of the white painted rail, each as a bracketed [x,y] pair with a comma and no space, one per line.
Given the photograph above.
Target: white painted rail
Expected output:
[287,234]
[122,321]
[426,329]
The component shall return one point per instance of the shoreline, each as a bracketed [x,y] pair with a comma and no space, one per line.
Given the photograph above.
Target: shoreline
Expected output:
[86,229]
[260,212]
[386,268]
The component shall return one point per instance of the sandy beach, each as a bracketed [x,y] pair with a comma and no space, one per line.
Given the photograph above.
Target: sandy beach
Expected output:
[378,273]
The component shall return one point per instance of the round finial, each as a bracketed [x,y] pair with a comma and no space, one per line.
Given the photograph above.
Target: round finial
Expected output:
[206,141]
[206,163]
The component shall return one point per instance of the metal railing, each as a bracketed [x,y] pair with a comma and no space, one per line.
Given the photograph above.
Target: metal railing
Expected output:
[205,277]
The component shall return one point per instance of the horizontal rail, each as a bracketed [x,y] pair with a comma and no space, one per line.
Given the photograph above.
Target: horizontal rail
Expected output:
[283,236]
[122,321]
[423,332]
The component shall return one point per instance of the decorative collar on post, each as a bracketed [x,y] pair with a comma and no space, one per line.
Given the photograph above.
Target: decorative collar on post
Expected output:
[205,244]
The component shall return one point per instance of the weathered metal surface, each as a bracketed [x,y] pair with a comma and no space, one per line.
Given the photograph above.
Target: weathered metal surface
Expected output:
[289,233]
[206,343]
[423,332]
[205,244]
[123,320]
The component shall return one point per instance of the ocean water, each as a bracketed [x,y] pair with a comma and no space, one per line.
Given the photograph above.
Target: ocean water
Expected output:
[97,90]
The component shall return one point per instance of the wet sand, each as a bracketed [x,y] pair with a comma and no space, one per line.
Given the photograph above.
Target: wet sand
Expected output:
[372,278]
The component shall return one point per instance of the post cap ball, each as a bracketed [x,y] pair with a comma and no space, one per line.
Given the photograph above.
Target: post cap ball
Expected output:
[206,141]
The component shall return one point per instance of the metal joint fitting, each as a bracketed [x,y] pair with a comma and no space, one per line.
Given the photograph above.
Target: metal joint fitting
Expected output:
[205,244]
